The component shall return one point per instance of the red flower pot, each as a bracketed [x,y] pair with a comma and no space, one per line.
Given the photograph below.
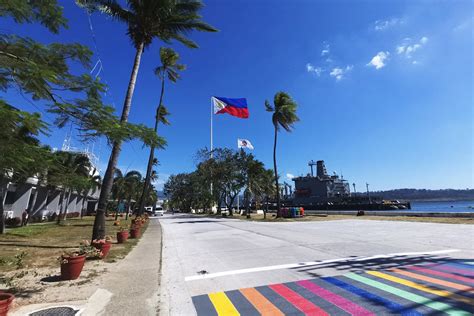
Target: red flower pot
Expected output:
[71,267]
[103,247]
[5,301]
[135,232]
[122,237]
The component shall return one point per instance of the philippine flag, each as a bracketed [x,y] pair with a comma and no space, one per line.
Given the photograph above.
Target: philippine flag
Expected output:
[235,107]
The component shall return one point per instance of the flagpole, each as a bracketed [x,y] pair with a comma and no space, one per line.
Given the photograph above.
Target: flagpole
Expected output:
[212,114]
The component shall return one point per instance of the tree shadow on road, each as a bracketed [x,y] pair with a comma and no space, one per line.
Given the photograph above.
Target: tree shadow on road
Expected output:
[357,264]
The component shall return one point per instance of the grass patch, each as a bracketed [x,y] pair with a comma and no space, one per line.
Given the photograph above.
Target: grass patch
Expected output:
[39,245]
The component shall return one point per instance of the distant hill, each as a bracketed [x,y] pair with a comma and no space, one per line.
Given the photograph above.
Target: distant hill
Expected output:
[423,194]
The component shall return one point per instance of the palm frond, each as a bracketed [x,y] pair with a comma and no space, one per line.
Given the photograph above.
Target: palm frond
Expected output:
[268,106]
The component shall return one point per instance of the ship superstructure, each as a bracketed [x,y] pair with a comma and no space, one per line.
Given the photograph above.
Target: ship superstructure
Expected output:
[332,192]
[321,187]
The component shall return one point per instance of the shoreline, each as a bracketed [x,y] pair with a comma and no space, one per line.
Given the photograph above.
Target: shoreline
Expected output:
[395,213]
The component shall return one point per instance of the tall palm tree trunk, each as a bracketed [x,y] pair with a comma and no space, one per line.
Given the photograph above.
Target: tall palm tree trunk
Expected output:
[117,210]
[66,196]
[3,194]
[151,157]
[83,202]
[276,173]
[98,231]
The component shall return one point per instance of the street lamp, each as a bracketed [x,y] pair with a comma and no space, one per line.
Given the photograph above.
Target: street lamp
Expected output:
[368,193]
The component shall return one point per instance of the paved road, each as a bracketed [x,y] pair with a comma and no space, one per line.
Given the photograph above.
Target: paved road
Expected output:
[226,266]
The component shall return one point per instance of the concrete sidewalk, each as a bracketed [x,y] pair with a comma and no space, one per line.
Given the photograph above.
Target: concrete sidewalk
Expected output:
[135,285]
[131,288]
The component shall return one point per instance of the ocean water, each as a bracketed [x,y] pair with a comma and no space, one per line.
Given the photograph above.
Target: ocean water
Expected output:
[443,206]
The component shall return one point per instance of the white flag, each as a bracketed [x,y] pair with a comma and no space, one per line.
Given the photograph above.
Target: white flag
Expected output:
[244,143]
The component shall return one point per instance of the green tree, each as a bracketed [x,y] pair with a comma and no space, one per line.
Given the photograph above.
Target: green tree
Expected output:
[126,187]
[284,115]
[20,153]
[146,20]
[169,69]
[42,74]
[71,172]
[90,184]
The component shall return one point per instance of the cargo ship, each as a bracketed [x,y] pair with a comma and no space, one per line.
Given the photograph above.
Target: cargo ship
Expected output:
[322,191]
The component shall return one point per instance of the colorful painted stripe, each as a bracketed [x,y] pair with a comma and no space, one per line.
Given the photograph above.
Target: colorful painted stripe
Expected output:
[264,306]
[421,287]
[443,307]
[335,299]
[392,306]
[242,304]
[469,270]
[442,274]
[297,300]
[469,262]
[417,276]
[449,268]
[281,303]
[204,306]
[222,304]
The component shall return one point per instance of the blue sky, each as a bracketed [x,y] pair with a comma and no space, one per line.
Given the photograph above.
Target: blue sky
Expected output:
[384,87]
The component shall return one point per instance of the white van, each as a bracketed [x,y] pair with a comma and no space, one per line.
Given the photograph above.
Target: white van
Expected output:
[159,211]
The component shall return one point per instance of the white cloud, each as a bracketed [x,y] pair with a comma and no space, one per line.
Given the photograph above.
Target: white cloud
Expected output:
[339,73]
[379,60]
[290,176]
[401,49]
[466,25]
[312,69]
[381,25]
[326,50]
[407,48]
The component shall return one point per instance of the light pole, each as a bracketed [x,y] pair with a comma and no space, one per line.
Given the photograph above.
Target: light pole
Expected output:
[354,185]
[368,193]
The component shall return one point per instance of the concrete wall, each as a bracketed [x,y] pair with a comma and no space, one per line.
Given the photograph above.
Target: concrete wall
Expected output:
[21,198]
[72,204]
[40,203]
[53,202]
[45,202]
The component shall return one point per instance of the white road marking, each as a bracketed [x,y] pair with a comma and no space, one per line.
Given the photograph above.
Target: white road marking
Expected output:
[310,263]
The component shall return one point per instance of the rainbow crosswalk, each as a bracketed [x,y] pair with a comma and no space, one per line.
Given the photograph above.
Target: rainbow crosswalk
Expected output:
[430,289]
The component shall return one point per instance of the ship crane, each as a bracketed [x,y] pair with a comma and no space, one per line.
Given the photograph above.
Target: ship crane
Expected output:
[288,188]
[311,164]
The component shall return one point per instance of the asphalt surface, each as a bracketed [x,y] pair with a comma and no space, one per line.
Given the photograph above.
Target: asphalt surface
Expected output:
[212,265]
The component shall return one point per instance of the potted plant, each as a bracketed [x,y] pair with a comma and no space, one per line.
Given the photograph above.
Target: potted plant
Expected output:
[5,301]
[135,231]
[122,235]
[103,245]
[72,264]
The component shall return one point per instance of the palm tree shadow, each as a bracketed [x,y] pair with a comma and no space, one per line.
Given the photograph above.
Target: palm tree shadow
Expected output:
[358,265]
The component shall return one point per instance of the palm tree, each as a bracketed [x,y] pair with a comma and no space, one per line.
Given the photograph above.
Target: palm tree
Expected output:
[92,183]
[146,20]
[72,169]
[131,187]
[125,187]
[284,115]
[169,69]
[267,189]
